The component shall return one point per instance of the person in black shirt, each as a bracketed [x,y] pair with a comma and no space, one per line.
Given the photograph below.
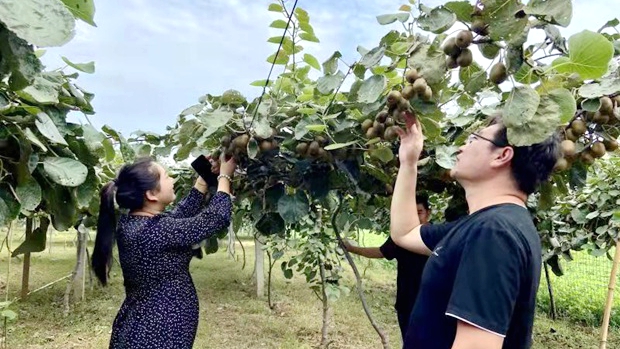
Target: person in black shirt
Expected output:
[478,289]
[410,266]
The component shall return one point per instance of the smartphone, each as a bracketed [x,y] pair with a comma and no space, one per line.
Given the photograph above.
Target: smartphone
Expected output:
[202,166]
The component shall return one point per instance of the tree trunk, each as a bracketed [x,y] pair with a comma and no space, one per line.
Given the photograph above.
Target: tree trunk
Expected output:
[78,277]
[326,309]
[26,265]
[259,267]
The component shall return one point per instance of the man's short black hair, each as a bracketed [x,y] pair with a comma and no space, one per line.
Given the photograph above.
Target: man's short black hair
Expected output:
[531,165]
[422,199]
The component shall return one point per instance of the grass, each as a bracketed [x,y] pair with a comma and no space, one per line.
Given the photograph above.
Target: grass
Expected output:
[580,294]
[231,315]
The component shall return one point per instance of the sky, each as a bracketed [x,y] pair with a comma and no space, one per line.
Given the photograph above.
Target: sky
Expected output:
[154,58]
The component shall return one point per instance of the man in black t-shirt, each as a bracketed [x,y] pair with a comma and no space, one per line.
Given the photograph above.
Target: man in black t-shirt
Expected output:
[478,289]
[410,266]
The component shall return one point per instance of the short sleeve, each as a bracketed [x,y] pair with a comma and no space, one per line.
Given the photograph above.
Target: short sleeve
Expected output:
[487,281]
[389,249]
[431,234]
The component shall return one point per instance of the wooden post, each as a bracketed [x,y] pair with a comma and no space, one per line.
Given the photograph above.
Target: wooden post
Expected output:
[26,265]
[259,267]
[610,297]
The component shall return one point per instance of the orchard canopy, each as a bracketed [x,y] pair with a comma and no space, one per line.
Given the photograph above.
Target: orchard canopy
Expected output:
[322,134]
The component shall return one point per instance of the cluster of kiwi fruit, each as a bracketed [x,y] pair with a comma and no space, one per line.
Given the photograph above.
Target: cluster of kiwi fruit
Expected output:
[236,145]
[596,145]
[314,149]
[457,50]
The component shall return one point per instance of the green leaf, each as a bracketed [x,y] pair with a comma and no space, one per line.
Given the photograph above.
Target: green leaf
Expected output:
[275,8]
[431,128]
[520,106]
[473,77]
[262,128]
[316,128]
[88,190]
[543,123]
[489,50]
[605,87]
[62,206]
[271,223]
[330,66]
[293,208]
[591,104]
[252,148]
[44,23]
[371,89]
[462,9]
[589,55]
[445,156]
[500,16]
[610,24]
[279,24]
[557,12]
[41,91]
[82,9]
[260,83]
[430,63]
[10,315]
[565,100]
[526,75]
[391,18]
[335,146]
[328,83]
[110,154]
[29,194]
[383,154]
[194,109]
[281,58]
[33,243]
[34,139]
[302,15]
[18,56]
[9,207]
[306,27]
[312,61]
[46,126]
[88,68]
[438,21]
[308,37]
[64,171]
[546,200]
[373,57]
[215,119]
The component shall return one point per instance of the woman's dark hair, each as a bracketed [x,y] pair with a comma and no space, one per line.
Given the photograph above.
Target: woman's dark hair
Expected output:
[133,181]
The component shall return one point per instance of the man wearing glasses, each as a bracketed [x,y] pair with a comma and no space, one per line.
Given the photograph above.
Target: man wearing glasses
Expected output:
[478,289]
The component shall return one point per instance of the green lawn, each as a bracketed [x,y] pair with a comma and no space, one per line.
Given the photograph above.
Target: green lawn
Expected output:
[231,315]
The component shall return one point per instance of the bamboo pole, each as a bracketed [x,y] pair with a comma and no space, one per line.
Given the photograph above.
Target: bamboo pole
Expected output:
[610,297]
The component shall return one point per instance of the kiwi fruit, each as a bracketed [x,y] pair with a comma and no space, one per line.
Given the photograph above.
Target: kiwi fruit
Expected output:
[302,148]
[578,127]
[587,158]
[451,62]
[241,141]
[561,165]
[389,188]
[479,27]
[464,38]
[390,133]
[381,116]
[611,144]
[403,105]
[465,58]
[371,133]
[428,93]
[225,141]
[313,148]
[607,106]
[389,122]
[449,47]
[570,135]
[366,124]
[394,97]
[408,92]
[321,140]
[600,117]
[265,145]
[598,149]
[568,147]
[419,86]
[412,75]
[498,73]
[379,128]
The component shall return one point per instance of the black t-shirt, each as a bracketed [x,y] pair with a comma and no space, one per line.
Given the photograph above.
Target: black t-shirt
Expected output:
[410,266]
[485,271]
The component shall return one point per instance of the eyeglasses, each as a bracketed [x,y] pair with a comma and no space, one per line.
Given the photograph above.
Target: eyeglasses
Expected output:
[472,137]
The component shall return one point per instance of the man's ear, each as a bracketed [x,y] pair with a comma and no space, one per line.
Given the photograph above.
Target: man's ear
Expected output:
[151,196]
[504,157]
